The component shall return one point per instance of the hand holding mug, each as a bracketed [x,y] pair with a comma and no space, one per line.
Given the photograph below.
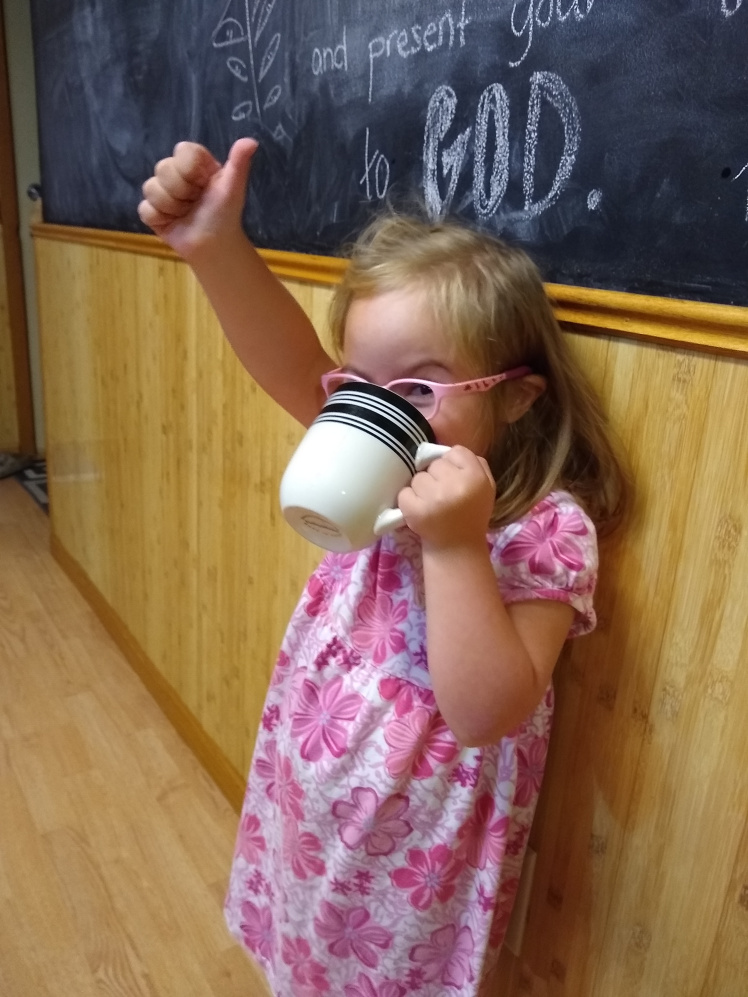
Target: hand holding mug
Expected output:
[341,485]
[450,505]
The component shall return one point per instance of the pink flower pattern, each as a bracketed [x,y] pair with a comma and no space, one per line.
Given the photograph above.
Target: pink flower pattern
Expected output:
[348,932]
[321,717]
[365,821]
[420,742]
[375,855]
[363,986]
[447,957]
[290,795]
[257,929]
[430,876]
[297,953]
[376,629]
[249,841]
[530,766]
[483,838]
[300,851]
[547,540]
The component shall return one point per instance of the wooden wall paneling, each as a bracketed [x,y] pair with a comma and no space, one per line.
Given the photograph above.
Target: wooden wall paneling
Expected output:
[661,419]
[252,566]
[681,838]
[696,325]
[164,411]
[728,963]
[606,683]
[71,387]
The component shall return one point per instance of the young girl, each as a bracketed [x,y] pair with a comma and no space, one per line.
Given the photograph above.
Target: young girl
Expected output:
[406,726]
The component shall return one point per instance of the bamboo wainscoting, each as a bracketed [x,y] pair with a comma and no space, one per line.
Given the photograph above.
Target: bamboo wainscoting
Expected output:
[165,461]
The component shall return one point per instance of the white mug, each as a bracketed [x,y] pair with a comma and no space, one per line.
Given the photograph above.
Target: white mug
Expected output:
[341,485]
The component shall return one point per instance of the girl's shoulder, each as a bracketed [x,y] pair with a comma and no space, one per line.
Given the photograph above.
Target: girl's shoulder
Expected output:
[558,511]
[549,553]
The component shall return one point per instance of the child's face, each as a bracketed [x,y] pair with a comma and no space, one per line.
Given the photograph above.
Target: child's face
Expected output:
[394,335]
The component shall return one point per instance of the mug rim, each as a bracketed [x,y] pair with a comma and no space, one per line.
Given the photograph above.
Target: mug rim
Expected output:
[390,398]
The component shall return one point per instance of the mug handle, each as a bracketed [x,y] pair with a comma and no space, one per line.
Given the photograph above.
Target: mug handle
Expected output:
[393,519]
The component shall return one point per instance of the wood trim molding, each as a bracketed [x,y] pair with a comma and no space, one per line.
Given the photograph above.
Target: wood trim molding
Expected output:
[229,781]
[692,325]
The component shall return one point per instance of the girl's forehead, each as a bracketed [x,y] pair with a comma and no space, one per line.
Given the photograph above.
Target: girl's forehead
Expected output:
[400,325]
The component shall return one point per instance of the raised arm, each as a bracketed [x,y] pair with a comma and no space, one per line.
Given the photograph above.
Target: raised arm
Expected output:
[195,205]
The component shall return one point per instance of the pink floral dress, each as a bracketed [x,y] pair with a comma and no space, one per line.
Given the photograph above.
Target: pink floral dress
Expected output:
[376,856]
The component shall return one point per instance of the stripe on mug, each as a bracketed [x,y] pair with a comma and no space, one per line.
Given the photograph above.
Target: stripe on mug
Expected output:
[408,434]
[392,404]
[383,413]
[420,429]
[371,428]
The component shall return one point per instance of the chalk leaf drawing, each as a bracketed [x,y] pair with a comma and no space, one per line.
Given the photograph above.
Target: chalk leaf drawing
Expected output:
[243,23]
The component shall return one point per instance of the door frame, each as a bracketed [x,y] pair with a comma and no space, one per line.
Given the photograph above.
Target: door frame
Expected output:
[9,217]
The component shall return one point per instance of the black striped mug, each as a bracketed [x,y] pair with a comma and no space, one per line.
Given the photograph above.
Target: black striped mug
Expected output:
[341,485]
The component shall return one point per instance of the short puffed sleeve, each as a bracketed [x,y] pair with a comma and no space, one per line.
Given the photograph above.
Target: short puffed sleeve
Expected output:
[551,553]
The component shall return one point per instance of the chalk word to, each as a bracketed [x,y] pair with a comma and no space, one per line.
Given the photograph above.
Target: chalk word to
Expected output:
[490,180]
[376,172]
[326,59]
[543,13]
[406,42]
[730,7]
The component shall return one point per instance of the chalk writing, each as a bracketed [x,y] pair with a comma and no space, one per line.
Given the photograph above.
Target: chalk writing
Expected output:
[445,31]
[376,171]
[543,13]
[737,175]
[494,105]
[546,89]
[550,88]
[441,111]
[329,58]
[730,7]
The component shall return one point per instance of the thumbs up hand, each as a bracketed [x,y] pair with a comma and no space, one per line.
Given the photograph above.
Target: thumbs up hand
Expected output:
[192,199]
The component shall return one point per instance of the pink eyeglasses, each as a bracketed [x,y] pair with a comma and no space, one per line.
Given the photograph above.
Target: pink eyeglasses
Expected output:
[426,396]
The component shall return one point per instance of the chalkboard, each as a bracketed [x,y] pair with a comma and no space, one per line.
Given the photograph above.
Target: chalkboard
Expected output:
[608,137]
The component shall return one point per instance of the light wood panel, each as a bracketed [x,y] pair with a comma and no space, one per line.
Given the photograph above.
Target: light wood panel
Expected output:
[165,465]
[164,462]
[697,325]
[115,844]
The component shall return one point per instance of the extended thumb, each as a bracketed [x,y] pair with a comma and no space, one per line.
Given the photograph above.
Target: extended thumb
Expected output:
[240,161]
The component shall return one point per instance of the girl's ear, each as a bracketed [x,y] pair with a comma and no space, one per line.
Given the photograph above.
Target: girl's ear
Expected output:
[520,394]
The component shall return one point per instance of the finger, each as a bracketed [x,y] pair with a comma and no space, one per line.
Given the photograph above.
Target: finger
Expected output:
[239,163]
[162,200]
[423,485]
[487,471]
[458,456]
[407,501]
[153,218]
[195,163]
[175,183]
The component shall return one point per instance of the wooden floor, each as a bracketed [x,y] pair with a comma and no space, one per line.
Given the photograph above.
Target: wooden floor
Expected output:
[114,844]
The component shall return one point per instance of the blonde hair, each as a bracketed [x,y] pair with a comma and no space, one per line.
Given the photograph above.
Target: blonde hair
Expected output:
[489,298]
